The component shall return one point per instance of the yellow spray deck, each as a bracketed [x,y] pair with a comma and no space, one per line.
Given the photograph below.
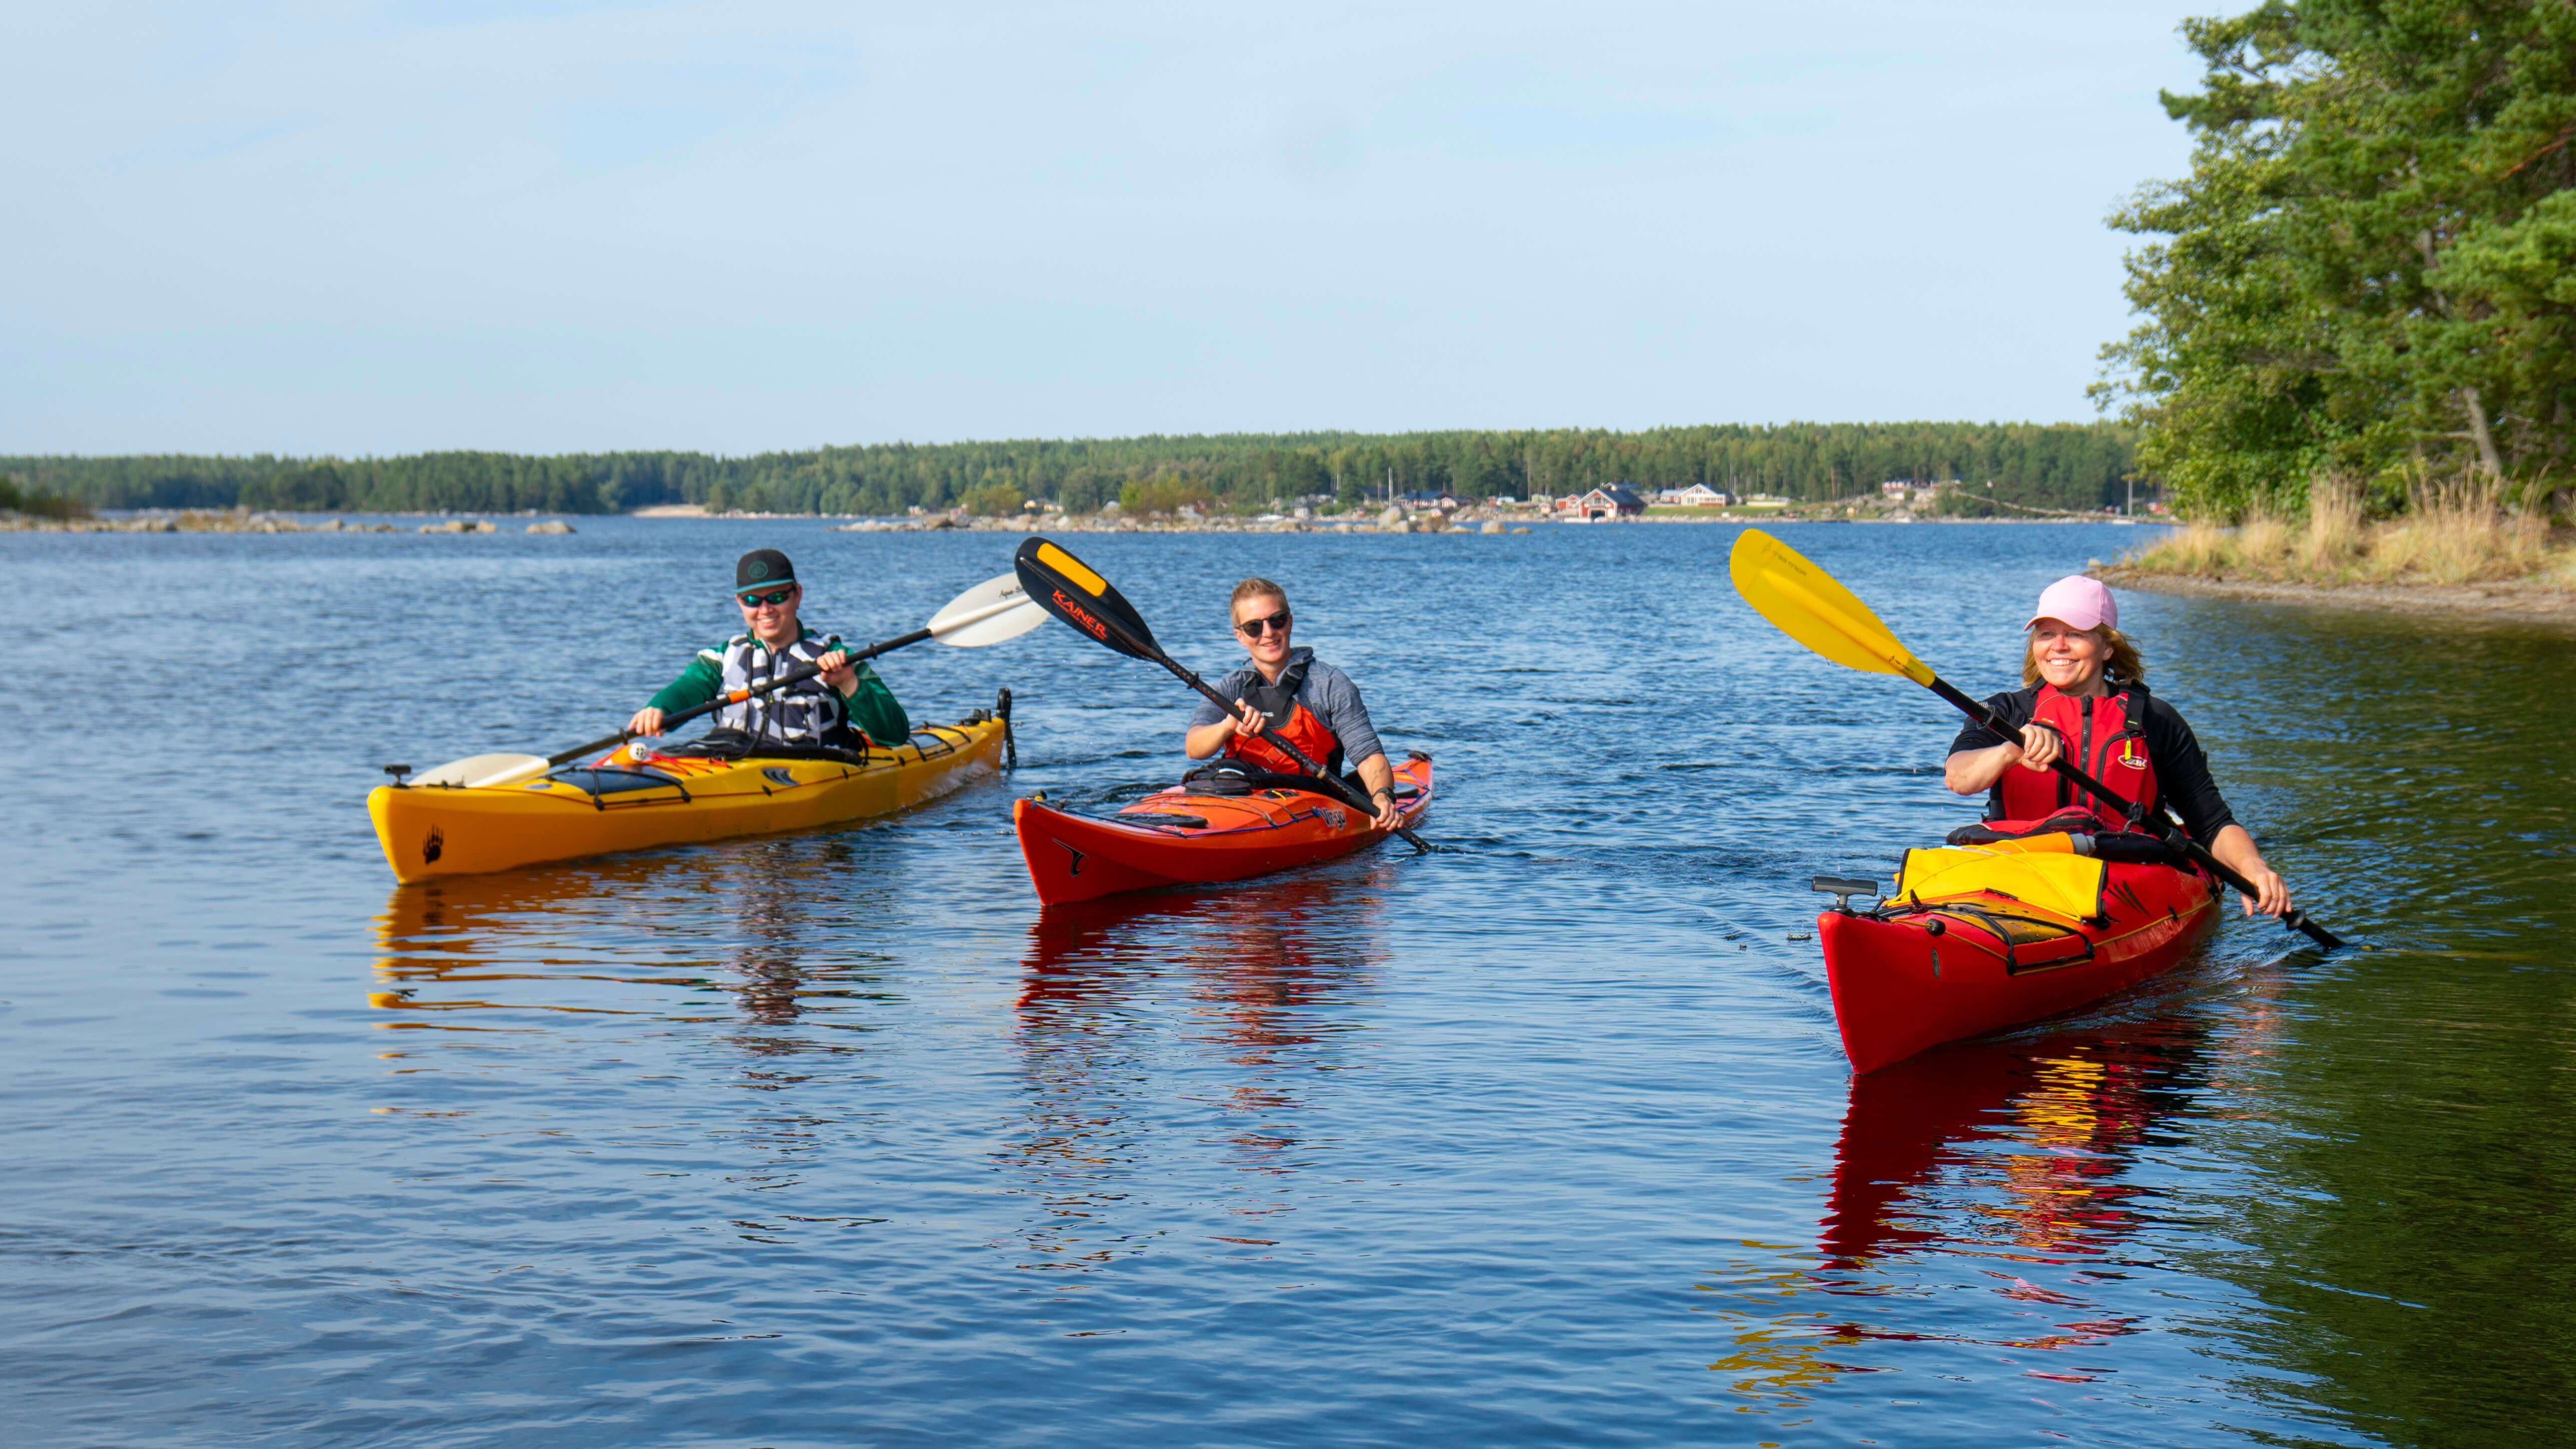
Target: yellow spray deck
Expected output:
[622,803]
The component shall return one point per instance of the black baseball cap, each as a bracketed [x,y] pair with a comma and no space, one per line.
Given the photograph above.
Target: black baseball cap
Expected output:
[762,568]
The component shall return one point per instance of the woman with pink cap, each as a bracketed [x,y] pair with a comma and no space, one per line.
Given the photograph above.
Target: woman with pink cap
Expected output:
[2084,699]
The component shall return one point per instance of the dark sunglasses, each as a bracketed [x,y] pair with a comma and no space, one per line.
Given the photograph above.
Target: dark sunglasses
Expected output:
[753,600]
[1278,623]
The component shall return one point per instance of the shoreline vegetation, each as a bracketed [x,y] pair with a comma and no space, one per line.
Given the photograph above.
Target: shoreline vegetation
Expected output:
[1410,517]
[2076,467]
[2457,547]
[2354,365]
[1484,519]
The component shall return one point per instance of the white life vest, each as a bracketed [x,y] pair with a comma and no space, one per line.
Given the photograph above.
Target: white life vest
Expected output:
[808,712]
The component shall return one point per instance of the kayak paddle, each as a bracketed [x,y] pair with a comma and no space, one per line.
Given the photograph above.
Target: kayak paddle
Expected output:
[992,611]
[1068,588]
[1810,606]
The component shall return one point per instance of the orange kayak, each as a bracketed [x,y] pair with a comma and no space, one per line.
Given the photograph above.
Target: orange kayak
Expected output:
[1191,834]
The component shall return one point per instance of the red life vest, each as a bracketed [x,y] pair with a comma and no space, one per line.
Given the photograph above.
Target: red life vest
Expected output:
[1292,721]
[2106,738]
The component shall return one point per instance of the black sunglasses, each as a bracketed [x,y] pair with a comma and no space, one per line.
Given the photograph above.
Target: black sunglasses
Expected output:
[753,600]
[1278,622]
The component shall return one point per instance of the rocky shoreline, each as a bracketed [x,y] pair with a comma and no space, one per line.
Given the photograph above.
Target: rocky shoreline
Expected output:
[240,520]
[1389,520]
[2526,600]
[1478,519]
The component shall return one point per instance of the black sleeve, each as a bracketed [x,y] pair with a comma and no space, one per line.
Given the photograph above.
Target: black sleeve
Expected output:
[2182,773]
[2016,709]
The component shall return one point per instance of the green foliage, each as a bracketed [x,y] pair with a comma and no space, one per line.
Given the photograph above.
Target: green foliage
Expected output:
[995,498]
[1167,494]
[148,482]
[16,497]
[1085,490]
[2051,466]
[2368,270]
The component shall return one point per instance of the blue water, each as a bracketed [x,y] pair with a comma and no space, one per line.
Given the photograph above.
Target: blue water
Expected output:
[1543,1139]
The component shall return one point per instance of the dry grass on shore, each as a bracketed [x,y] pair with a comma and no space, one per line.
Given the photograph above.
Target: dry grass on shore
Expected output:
[2451,534]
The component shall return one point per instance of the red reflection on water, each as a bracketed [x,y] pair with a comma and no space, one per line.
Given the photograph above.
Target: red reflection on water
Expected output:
[2066,1117]
[1258,966]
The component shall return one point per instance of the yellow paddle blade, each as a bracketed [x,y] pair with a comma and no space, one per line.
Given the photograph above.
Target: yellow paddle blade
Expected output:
[1810,607]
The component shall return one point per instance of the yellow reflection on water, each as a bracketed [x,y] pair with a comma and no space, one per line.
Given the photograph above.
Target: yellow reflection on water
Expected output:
[2005,1165]
[630,937]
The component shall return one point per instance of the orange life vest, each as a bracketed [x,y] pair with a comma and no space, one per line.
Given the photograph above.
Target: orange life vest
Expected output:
[1292,721]
[2106,738]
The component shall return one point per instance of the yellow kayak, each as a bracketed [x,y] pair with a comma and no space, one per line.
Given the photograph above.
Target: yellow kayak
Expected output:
[632,801]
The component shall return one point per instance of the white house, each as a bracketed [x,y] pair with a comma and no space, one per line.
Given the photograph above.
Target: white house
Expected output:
[1700,495]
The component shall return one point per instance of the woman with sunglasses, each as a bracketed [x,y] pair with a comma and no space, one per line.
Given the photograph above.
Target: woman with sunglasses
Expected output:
[1306,701]
[845,705]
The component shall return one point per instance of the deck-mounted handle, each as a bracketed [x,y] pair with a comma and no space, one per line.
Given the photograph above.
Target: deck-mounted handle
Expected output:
[1842,888]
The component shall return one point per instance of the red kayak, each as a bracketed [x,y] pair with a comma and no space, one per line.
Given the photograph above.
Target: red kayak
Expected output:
[1197,834]
[1977,938]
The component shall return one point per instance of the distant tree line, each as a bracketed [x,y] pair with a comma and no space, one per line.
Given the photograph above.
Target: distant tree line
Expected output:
[2079,466]
[2367,273]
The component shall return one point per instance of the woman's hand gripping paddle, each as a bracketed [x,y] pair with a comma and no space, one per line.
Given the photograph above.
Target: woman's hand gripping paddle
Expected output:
[1810,606]
[992,611]
[1068,588]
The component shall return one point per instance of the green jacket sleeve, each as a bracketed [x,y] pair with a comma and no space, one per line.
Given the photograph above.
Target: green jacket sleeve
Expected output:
[703,680]
[872,708]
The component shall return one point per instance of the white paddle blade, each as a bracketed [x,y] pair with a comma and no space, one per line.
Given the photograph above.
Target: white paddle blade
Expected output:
[483,771]
[992,611]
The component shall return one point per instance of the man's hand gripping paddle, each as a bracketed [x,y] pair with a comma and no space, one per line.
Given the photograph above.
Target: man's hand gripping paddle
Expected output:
[992,611]
[1068,588]
[1810,606]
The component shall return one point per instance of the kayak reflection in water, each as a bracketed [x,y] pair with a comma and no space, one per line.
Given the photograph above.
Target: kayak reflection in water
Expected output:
[2084,699]
[2025,1146]
[1289,691]
[844,706]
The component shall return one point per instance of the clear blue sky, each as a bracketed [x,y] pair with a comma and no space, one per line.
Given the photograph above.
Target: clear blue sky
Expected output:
[740,226]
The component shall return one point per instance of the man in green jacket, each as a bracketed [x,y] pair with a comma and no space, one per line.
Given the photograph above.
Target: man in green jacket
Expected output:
[844,705]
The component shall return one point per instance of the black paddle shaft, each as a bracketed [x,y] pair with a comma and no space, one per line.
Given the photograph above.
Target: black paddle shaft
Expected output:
[797,675]
[2172,834]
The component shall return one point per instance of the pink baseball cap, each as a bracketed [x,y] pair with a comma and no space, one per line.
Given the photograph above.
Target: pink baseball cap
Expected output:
[2079,601]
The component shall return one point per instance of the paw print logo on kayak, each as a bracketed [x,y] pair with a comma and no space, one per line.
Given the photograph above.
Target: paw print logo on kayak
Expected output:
[429,853]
